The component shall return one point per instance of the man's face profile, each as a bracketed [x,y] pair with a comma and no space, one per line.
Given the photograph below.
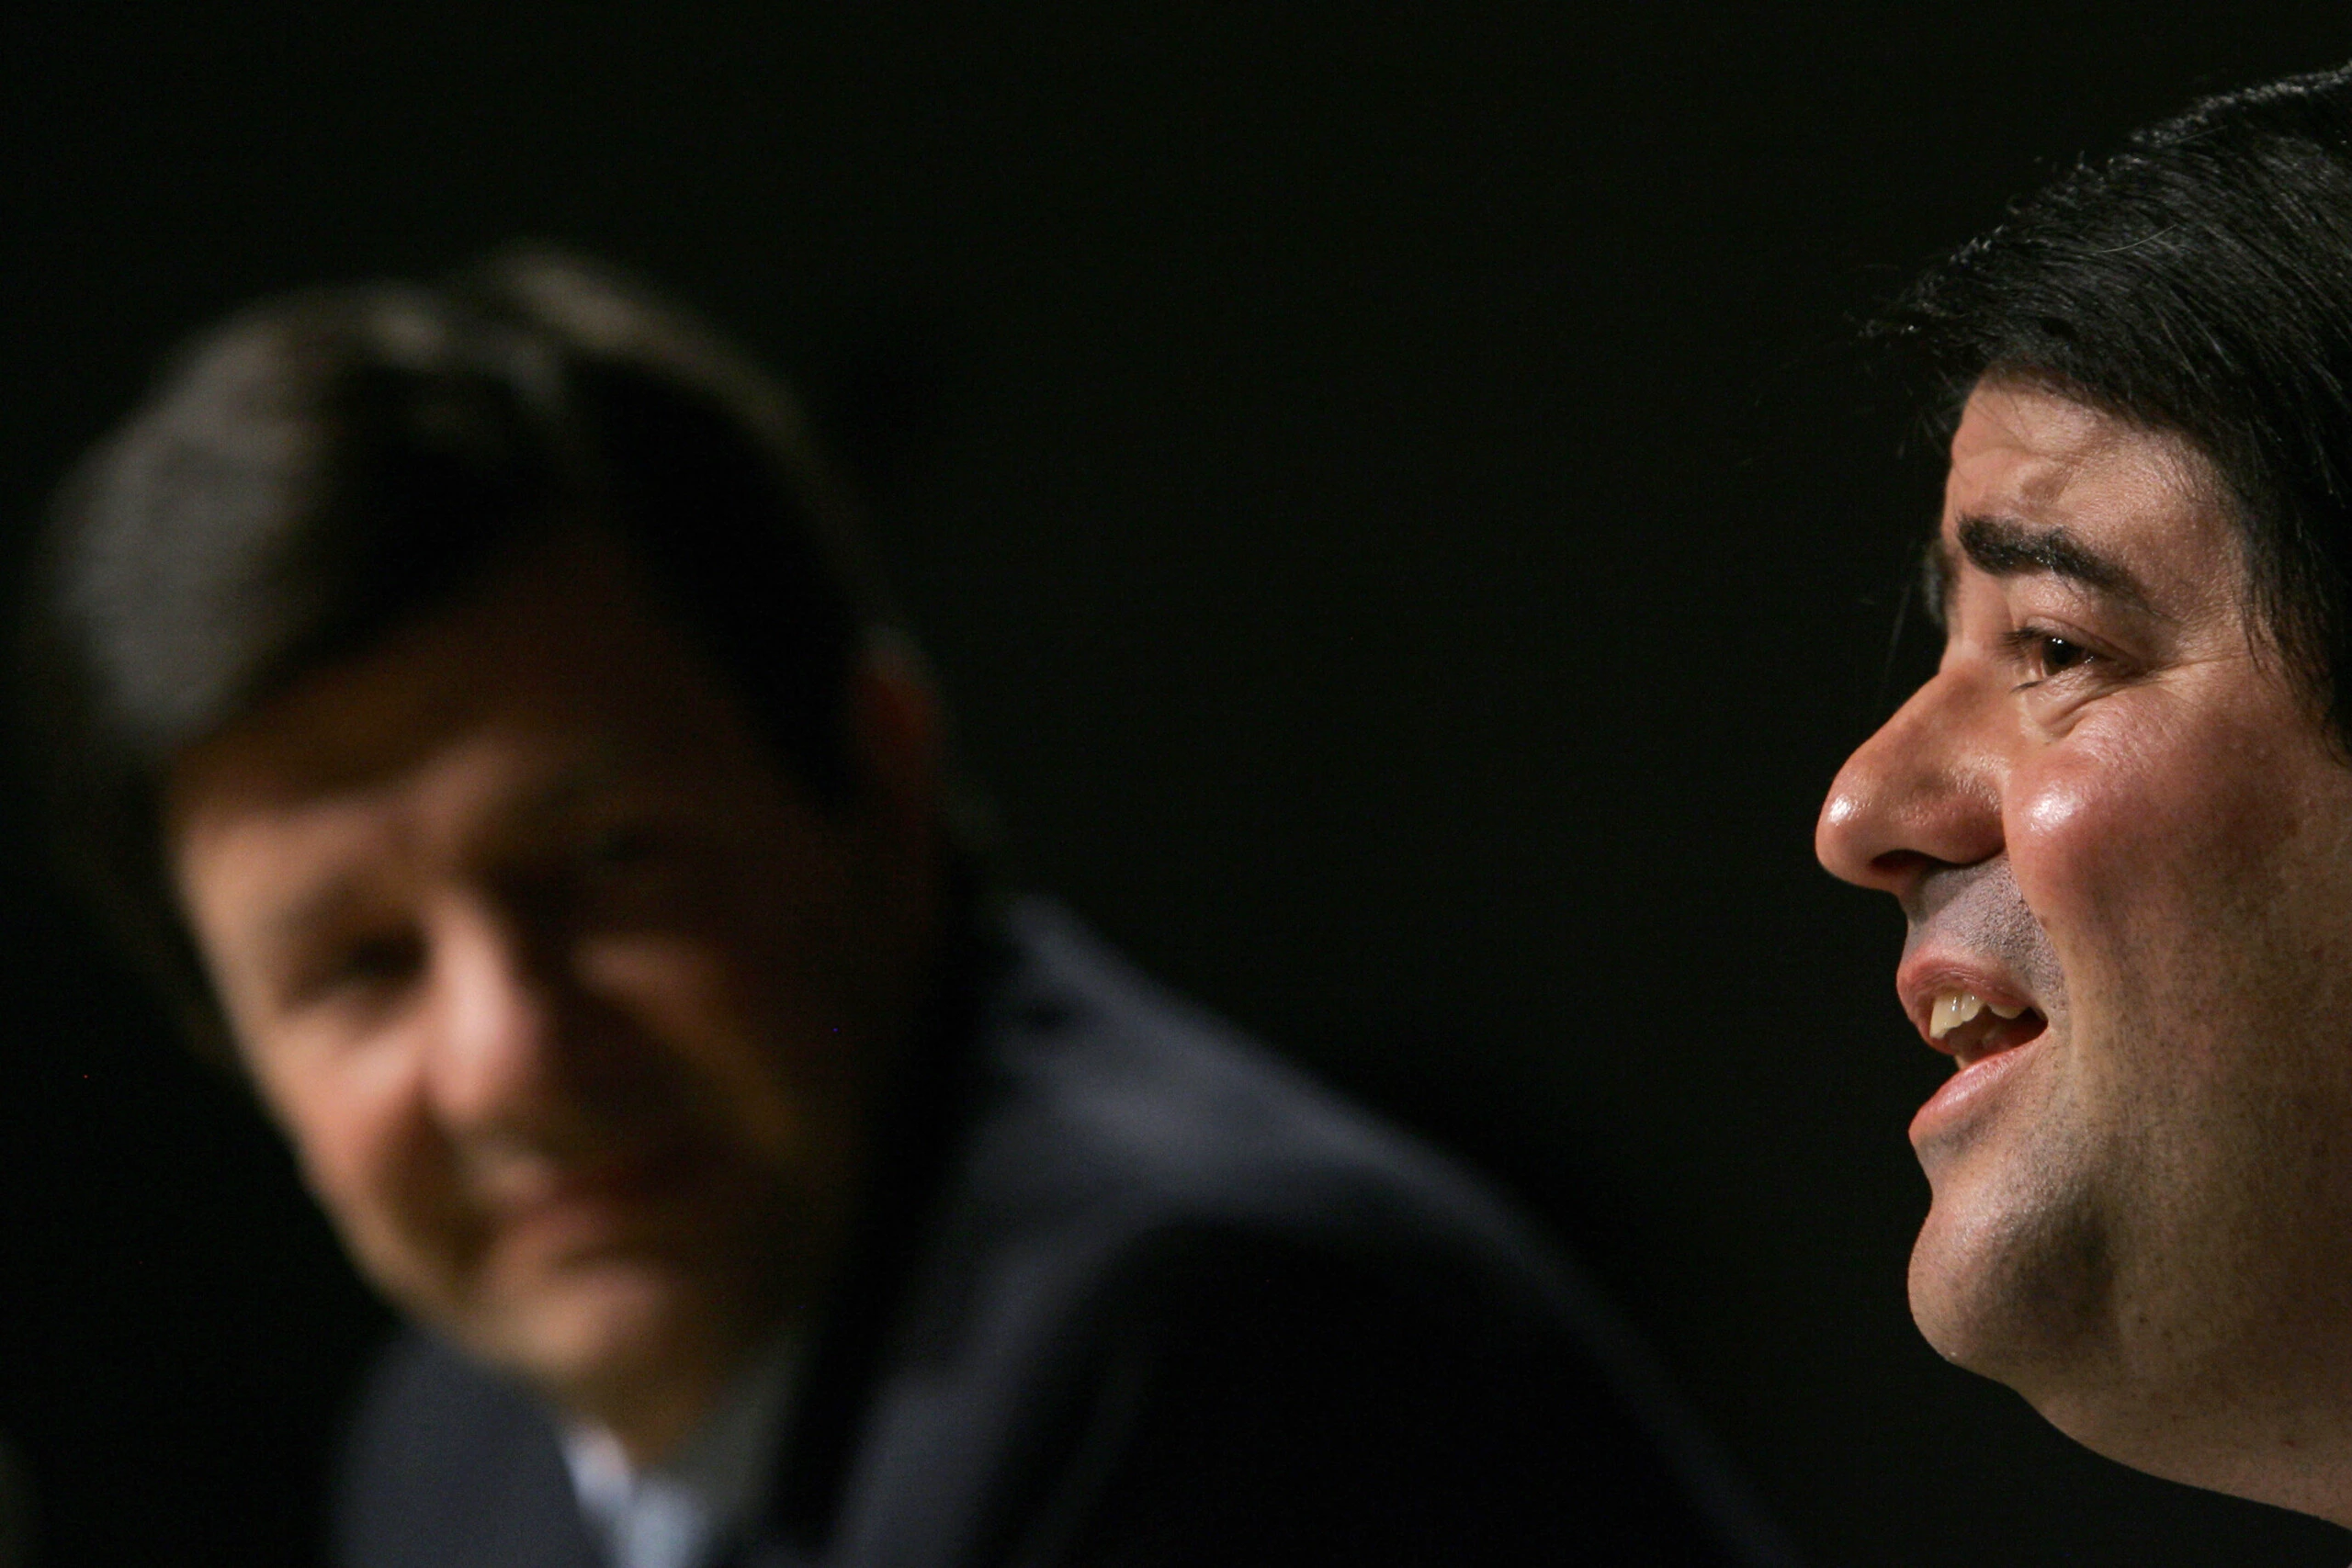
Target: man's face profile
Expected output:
[570,999]
[2122,836]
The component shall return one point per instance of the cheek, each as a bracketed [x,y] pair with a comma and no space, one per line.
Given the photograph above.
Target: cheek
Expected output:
[2172,868]
[370,1157]
[2153,795]
[756,1044]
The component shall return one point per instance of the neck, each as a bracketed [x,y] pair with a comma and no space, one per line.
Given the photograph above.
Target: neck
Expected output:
[651,1430]
[653,1408]
[736,1414]
[2289,1449]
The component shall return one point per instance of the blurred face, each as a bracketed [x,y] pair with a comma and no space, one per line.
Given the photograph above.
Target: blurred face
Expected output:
[2122,841]
[570,1002]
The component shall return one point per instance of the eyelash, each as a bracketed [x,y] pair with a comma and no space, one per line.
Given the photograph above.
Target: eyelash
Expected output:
[2027,646]
[375,961]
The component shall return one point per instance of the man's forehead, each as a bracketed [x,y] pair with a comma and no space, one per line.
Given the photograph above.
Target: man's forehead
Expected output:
[2041,455]
[2046,485]
[563,653]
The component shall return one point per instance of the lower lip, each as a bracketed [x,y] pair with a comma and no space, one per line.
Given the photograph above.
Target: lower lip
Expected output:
[1965,1093]
[580,1227]
[620,1195]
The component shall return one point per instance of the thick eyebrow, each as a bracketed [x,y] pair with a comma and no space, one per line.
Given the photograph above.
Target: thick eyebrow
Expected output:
[2001,547]
[549,802]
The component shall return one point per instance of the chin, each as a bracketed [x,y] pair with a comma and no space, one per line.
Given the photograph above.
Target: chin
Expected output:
[2012,1290]
[611,1324]
[1947,1317]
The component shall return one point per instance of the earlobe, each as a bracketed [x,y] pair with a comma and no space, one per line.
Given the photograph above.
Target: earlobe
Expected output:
[895,725]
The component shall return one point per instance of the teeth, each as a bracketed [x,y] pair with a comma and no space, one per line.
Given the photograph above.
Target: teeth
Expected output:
[1953,1009]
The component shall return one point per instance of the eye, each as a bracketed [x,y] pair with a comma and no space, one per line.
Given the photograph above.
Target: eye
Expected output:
[2042,654]
[630,871]
[2057,654]
[380,958]
[625,854]
[618,846]
[370,967]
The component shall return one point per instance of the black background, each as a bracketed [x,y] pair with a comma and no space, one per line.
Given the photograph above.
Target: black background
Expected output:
[1405,533]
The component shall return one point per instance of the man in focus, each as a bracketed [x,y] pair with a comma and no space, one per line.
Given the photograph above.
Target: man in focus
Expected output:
[2119,818]
[469,702]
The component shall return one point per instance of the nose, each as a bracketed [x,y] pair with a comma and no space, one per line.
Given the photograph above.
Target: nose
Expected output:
[501,1056]
[1925,791]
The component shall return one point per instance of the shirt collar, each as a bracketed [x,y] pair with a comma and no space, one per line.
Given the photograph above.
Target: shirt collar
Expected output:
[673,1515]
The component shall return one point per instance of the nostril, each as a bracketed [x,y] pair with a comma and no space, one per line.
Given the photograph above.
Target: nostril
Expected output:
[1900,865]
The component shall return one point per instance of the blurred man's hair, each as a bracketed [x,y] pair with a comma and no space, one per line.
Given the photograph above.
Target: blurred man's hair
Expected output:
[329,466]
[2199,282]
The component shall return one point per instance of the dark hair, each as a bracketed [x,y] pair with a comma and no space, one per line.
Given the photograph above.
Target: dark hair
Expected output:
[325,467]
[2200,282]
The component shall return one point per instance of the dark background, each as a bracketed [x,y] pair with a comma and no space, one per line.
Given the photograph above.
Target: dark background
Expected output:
[1402,524]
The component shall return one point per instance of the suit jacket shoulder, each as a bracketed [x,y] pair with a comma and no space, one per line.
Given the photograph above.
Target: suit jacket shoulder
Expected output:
[1195,1306]
[447,1467]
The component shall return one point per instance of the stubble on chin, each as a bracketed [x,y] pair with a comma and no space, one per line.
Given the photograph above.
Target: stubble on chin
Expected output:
[2013,1275]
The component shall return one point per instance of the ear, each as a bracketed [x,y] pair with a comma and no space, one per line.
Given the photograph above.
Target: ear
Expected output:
[894,731]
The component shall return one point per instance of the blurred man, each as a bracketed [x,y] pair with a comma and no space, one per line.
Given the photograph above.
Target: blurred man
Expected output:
[469,700]
[2119,819]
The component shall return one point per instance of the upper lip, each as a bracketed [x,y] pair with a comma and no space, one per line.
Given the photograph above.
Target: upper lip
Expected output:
[529,1185]
[1927,976]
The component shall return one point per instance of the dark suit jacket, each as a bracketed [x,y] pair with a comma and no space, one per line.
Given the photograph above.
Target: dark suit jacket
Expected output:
[1133,1293]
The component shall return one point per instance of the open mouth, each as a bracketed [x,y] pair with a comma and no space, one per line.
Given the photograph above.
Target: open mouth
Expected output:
[1972,1028]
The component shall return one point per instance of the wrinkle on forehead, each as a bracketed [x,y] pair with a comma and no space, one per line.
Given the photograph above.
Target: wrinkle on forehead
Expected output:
[2021,448]
[2071,430]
